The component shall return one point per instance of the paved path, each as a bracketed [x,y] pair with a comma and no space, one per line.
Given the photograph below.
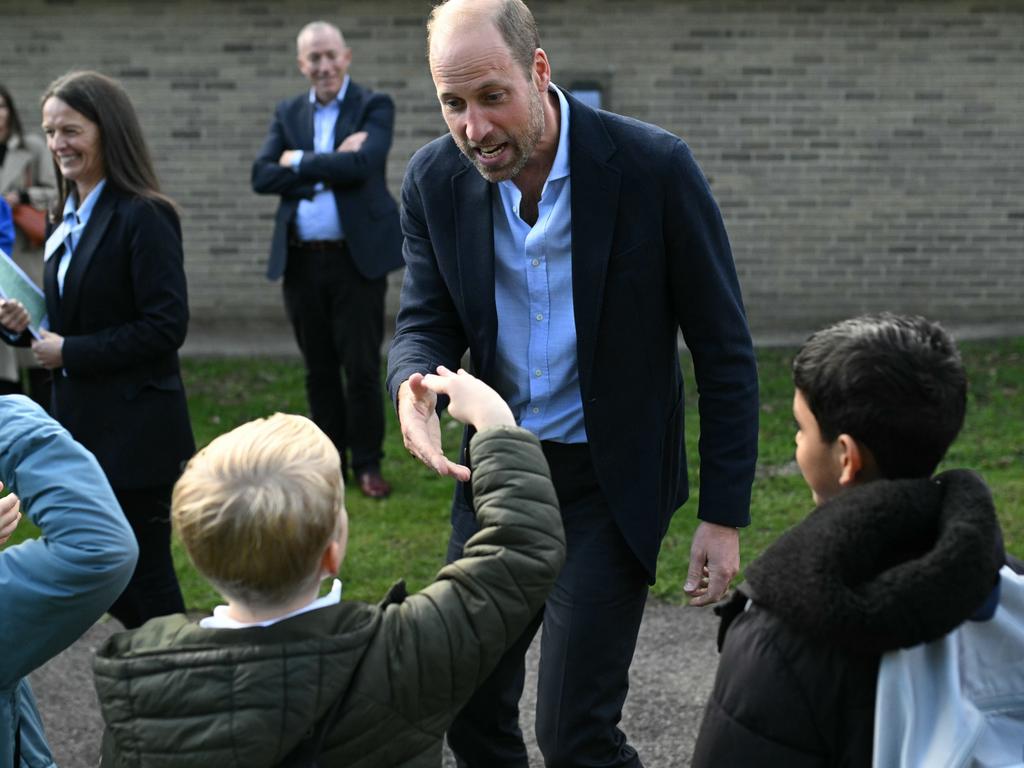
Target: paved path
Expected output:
[671,677]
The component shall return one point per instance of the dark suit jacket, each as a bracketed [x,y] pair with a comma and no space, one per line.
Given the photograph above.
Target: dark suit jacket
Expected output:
[368,213]
[649,256]
[124,314]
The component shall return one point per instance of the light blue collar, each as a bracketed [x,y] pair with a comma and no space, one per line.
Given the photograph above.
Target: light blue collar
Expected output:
[338,99]
[560,166]
[71,209]
[84,211]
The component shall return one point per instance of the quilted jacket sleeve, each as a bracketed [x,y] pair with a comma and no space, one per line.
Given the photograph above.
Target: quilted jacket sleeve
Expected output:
[443,641]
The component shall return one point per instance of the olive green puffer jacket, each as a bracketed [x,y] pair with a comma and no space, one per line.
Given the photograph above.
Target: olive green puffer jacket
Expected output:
[176,694]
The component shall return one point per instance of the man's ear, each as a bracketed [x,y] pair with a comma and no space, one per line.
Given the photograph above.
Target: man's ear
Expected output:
[852,458]
[541,70]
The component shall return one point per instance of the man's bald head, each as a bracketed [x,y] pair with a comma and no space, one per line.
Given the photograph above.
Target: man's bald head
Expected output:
[512,19]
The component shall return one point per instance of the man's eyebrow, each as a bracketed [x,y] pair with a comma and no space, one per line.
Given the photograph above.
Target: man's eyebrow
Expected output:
[488,85]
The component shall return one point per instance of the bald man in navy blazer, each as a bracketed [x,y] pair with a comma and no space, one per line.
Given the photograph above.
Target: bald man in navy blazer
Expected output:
[565,247]
[336,236]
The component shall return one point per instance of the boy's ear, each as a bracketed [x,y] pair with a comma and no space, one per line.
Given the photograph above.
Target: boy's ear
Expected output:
[330,563]
[853,460]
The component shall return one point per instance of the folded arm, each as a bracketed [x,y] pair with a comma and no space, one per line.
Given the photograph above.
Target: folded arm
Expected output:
[346,167]
[268,176]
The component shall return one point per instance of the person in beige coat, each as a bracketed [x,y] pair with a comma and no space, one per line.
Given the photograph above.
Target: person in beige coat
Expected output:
[26,178]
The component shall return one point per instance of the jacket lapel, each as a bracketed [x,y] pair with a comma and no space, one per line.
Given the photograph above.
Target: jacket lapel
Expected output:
[50,290]
[595,202]
[474,241]
[348,113]
[84,252]
[303,125]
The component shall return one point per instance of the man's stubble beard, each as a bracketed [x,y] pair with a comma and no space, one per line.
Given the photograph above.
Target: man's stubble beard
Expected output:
[524,144]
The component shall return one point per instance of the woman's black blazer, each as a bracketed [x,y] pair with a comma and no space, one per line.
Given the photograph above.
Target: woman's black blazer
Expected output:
[123,315]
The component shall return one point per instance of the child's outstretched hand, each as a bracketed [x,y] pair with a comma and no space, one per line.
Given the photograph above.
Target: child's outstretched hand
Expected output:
[472,401]
[10,514]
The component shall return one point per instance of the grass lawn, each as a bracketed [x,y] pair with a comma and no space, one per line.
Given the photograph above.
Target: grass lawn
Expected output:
[405,535]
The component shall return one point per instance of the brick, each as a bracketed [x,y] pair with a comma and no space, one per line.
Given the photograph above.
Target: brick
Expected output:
[855,146]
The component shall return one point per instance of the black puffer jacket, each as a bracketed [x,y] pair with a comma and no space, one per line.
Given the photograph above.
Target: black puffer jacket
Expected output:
[887,565]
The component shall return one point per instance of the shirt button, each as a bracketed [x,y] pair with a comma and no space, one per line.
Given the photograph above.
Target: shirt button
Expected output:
[540,316]
[536,409]
[537,373]
[536,262]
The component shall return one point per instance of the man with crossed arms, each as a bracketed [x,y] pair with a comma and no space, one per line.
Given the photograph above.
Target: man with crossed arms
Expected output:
[336,236]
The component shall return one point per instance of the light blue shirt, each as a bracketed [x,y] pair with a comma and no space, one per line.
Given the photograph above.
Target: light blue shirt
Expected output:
[536,355]
[75,217]
[317,219]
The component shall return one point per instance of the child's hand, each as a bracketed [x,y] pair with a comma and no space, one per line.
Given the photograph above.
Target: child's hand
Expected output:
[472,401]
[10,514]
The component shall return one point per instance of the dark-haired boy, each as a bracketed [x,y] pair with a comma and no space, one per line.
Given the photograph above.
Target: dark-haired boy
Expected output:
[891,558]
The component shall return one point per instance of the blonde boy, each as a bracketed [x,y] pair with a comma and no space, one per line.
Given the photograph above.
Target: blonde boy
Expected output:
[261,511]
[278,676]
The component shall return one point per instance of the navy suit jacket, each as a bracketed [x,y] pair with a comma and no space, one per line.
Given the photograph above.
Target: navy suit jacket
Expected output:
[368,213]
[650,256]
[123,315]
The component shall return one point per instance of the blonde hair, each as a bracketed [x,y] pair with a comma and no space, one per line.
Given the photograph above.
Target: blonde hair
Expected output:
[258,506]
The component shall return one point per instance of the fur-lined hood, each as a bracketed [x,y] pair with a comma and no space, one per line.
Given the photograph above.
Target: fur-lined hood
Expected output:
[886,565]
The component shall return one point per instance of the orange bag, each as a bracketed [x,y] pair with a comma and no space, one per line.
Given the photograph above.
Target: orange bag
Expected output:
[32,222]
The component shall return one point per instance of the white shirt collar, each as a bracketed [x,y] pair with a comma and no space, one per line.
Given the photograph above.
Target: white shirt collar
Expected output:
[221,620]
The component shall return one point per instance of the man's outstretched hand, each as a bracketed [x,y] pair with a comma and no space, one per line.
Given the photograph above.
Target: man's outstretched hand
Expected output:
[714,561]
[471,402]
[421,428]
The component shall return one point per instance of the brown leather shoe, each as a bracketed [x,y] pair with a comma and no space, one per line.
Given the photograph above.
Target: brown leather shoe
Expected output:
[373,485]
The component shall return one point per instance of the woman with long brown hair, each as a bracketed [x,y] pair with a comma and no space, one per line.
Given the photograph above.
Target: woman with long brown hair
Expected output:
[117,312]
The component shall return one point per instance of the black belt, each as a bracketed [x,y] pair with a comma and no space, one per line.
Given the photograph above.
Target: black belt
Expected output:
[318,245]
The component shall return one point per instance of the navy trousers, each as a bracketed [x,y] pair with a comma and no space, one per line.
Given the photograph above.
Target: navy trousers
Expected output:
[590,624]
[338,318]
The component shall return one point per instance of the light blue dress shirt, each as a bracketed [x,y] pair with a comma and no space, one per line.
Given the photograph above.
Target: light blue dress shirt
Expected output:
[317,219]
[74,220]
[536,355]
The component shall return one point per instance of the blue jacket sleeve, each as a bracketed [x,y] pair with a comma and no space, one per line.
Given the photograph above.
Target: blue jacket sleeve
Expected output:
[6,228]
[54,587]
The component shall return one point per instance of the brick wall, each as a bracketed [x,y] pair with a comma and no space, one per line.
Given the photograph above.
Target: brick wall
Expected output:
[866,155]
